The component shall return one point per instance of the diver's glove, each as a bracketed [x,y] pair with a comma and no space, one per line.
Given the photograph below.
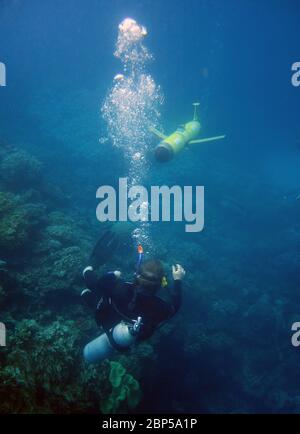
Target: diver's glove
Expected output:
[178,272]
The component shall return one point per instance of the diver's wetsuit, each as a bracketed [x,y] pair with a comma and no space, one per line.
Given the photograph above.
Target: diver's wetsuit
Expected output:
[115,300]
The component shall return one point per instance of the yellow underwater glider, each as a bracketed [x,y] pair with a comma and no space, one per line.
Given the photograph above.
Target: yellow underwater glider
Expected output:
[184,135]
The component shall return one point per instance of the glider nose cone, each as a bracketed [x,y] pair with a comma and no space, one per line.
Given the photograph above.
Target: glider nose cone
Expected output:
[164,152]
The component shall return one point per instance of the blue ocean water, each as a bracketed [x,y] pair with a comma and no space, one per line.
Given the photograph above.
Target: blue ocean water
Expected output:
[229,348]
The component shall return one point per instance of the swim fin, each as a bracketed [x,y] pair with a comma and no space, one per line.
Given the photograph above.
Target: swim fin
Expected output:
[104,249]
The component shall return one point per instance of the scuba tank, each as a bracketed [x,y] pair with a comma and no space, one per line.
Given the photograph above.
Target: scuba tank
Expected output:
[123,335]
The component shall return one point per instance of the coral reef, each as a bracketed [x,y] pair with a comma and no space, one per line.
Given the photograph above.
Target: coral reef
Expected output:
[125,392]
[14,222]
[227,350]
[43,371]
[19,169]
[42,368]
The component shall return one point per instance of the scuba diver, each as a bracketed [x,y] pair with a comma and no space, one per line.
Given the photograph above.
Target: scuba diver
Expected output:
[129,312]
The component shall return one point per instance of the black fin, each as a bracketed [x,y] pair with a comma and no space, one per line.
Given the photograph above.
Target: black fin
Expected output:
[104,249]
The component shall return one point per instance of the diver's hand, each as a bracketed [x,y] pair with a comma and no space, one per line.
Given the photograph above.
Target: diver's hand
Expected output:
[178,272]
[117,273]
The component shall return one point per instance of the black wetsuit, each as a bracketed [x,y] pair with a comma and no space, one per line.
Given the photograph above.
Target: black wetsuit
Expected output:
[115,300]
